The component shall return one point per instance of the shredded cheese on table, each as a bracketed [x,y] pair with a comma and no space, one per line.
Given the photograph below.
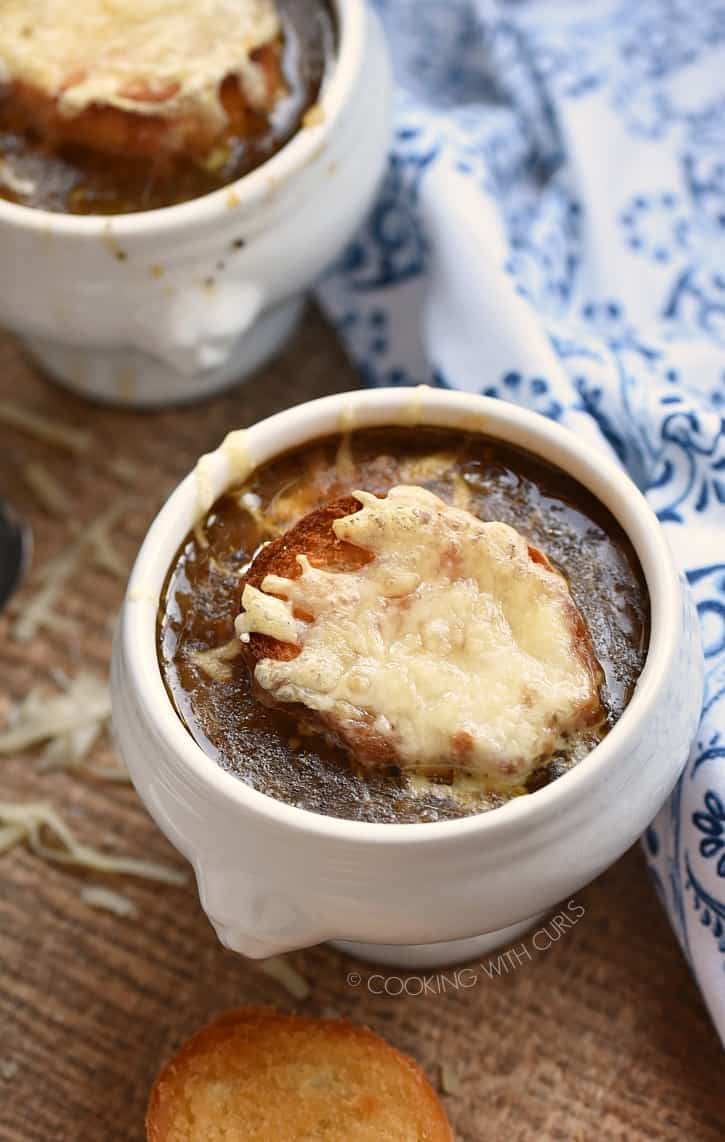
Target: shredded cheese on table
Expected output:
[70,723]
[47,490]
[281,970]
[8,1069]
[48,836]
[97,539]
[124,470]
[39,610]
[43,428]
[450,1080]
[105,899]
[10,836]
[42,718]
[93,541]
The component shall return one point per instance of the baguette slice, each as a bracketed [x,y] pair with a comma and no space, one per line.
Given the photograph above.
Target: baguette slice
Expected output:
[359,727]
[257,1075]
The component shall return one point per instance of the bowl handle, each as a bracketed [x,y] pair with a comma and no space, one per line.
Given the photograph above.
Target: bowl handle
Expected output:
[252,917]
[194,330]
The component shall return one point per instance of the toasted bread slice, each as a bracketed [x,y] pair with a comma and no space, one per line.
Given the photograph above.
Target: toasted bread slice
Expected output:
[118,131]
[354,725]
[139,80]
[256,1075]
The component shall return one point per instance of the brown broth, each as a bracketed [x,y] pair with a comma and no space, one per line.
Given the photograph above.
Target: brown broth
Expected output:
[265,748]
[77,180]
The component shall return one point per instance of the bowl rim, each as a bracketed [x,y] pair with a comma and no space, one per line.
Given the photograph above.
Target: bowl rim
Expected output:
[249,189]
[395,406]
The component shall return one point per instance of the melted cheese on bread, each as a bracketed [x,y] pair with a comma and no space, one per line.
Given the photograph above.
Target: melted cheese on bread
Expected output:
[452,643]
[160,57]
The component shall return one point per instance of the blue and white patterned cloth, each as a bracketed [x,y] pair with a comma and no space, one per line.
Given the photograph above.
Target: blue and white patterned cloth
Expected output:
[552,232]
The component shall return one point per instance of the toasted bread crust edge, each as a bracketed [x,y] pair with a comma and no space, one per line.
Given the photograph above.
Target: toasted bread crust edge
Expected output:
[314,537]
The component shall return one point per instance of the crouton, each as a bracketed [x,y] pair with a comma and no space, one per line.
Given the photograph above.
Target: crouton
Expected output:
[257,1075]
[413,634]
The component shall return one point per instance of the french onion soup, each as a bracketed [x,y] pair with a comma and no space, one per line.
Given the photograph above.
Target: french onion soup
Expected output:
[115,106]
[403,625]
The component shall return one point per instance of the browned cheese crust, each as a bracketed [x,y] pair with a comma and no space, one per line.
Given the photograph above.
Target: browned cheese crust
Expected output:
[314,537]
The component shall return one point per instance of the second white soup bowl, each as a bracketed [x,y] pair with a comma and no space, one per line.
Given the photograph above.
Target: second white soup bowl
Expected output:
[171,305]
[273,877]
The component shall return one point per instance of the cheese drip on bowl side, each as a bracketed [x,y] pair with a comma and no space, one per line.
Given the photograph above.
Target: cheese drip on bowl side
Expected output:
[456,646]
[164,58]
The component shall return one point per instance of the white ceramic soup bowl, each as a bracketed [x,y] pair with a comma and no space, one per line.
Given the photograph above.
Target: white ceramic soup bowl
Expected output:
[273,877]
[171,305]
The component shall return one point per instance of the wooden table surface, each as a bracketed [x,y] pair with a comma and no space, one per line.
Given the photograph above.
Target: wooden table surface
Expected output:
[601,1036]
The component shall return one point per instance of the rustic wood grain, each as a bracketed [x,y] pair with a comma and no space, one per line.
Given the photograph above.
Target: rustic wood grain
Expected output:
[603,1036]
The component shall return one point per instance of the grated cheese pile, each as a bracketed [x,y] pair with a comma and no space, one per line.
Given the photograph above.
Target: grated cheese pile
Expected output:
[70,723]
